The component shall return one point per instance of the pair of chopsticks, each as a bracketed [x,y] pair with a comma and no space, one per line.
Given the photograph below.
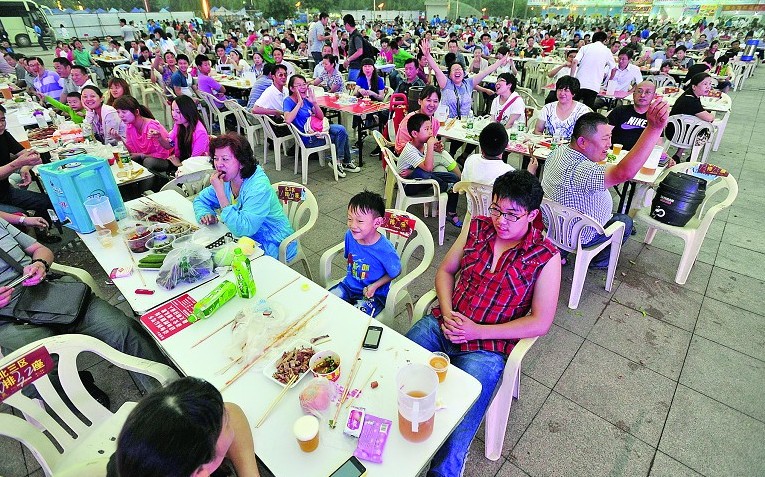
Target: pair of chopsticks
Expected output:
[276,400]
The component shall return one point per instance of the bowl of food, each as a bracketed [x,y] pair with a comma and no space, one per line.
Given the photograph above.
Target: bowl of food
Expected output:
[325,364]
[160,243]
[136,237]
[178,229]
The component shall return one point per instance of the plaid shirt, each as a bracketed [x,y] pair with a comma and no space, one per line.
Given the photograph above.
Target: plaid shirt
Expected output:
[504,295]
[571,179]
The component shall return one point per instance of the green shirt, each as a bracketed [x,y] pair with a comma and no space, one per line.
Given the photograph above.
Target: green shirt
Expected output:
[400,57]
[82,58]
[73,115]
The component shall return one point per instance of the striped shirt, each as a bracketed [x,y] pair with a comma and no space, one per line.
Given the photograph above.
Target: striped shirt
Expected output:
[47,84]
[497,297]
[571,179]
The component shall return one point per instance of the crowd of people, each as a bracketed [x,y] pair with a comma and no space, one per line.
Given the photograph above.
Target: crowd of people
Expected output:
[500,280]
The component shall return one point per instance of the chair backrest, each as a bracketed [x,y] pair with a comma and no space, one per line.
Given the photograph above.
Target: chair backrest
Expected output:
[236,108]
[708,208]
[406,247]
[380,139]
[662,80]
[391,166]
[210,100]
[64,426]
[478,196]
[687,129]
[565,225]
[532,67]
[189,185]
[528,98]
[302,215]
[299,135]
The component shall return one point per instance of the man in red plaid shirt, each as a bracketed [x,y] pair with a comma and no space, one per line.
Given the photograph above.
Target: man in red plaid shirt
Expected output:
[509,279]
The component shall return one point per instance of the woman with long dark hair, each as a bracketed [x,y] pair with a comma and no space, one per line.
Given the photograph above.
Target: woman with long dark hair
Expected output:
[140,131]
[188,138]
[118,87]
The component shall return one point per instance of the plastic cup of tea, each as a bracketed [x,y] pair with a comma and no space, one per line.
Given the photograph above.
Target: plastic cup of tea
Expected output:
[439,362]
[617,148]
[105,238]
[306,430]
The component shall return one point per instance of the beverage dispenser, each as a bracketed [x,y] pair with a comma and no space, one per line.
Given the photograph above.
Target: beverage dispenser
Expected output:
[70,182]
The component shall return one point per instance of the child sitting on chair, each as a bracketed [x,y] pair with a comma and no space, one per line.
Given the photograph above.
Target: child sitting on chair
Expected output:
[372,259]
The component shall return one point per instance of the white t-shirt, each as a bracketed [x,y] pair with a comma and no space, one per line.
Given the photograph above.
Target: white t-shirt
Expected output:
[314,44]
[517,107]
[483,171]
[271,98]
[593,60]
[624,78]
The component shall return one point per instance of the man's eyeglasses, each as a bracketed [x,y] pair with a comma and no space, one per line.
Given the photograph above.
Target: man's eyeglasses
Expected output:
[509,216]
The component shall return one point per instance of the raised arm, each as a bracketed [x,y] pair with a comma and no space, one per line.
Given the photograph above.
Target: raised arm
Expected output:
[478,77]
[441,78]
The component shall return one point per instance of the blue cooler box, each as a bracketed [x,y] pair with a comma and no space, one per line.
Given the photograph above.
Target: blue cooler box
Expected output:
[70,182]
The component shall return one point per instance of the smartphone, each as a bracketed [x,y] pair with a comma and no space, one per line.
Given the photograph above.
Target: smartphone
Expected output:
[350,468]
[372,338]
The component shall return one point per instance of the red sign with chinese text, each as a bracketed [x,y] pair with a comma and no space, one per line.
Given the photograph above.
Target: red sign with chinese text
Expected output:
[168,319]
[398,224]
[290,193]
[24,371]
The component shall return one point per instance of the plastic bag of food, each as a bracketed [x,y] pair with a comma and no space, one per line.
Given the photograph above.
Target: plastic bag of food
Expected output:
[254,327]
[188,264]
[317,396]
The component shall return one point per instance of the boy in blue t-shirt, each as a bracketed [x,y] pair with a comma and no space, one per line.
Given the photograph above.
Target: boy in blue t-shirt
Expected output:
[372,259]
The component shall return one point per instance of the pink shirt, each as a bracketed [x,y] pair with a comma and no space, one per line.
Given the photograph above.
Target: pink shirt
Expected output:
[200,141]
[142,144]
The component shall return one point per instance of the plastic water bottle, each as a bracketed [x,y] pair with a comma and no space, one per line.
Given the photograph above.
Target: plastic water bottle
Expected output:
[213,300]
[243,273]
[87,132]
[470,120]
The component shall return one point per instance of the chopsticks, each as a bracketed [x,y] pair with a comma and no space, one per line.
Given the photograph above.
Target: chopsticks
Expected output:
[351,377]
[276,400]
[366,381]
[135,263]
[233,319]
[292,330]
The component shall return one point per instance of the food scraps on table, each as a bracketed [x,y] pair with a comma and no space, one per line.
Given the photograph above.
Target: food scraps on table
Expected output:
[293,363]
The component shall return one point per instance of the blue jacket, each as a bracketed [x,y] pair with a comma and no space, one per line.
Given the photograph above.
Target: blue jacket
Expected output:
[257,213]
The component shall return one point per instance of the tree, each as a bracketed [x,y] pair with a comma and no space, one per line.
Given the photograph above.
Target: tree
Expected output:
[278,9]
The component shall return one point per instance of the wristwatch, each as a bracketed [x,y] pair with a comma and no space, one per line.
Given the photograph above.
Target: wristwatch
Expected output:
[44,262]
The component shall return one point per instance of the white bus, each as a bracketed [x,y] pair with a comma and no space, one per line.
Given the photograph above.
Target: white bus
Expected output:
[17,18]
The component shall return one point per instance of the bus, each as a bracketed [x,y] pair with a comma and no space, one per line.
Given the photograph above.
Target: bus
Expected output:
[18,17]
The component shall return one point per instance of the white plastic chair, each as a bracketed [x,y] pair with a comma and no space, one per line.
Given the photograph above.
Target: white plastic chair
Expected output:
[398,295]
[695,230]
[190,185]
[87,450]
[246,122]
[687,133]
[534,76]
[528,98]
[719,126]
[279,142]
[214,111]
[508,388]
[404,201]
[739,71]
[303,152]
[478,197]
[302,216]
[390,181]
[565,227]
[662,80]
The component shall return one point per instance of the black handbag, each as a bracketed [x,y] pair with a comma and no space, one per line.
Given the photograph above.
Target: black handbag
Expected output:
[50,302]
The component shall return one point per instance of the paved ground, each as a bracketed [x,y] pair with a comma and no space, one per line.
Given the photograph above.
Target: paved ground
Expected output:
[651,378]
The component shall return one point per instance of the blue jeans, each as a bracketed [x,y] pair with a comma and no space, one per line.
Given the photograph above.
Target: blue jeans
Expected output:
[443,179]
[371,306]
[601,259]
[339,137]
[353,74]
[486,366]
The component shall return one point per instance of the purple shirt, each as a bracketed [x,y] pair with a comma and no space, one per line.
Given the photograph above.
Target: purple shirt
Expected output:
[208,85]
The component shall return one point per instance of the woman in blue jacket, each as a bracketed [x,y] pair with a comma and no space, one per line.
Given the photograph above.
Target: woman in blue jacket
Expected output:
[247,202]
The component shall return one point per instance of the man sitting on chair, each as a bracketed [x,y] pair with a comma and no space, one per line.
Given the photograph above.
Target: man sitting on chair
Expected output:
[480,316]
[574,178]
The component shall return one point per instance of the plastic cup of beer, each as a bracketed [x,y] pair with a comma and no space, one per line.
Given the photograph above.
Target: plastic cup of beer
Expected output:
[439,362]
[306,430]
[105,238]
[617,149]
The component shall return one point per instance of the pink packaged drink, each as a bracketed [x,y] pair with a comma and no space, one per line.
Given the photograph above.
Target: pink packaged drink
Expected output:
[372,440]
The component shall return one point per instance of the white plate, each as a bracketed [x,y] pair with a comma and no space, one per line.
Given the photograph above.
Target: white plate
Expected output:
[270,368]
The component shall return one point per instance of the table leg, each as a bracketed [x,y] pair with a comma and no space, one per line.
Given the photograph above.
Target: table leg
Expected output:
[360,139]
[622,197]
[631,186]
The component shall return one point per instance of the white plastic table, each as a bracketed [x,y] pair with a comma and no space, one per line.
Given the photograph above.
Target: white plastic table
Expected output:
[274,442]
[118,256]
